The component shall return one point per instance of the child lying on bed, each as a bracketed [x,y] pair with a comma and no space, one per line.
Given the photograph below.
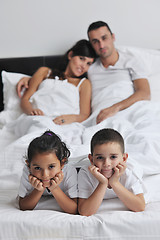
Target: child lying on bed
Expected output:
[108,175]
[46,173]
[64,96]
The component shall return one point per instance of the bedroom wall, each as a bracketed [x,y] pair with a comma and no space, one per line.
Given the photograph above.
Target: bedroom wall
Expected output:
[46,27]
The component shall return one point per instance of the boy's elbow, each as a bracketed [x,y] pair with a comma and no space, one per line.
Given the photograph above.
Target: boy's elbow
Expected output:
[85,212]
[139,208]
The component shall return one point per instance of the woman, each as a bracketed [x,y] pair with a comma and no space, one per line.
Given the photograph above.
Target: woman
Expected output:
[67,97]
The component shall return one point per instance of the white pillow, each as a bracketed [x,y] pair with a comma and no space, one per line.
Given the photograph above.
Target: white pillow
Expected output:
[10,98]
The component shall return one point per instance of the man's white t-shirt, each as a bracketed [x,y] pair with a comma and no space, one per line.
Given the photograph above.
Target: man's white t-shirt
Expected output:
[115,83]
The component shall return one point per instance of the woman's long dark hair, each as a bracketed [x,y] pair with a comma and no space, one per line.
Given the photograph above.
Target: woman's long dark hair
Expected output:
[81,48]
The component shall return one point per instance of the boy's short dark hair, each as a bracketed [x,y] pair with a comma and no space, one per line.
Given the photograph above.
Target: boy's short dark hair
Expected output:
[107,135]
[96,25]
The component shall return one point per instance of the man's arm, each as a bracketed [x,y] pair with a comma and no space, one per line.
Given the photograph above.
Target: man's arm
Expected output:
[141,92]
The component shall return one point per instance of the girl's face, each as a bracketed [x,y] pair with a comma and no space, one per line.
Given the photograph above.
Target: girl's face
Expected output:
[78,65]
[106,157]
[45,166]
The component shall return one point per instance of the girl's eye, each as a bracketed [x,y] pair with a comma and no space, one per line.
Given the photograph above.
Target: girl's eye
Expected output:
[37,168]
[82,58]
[51,166]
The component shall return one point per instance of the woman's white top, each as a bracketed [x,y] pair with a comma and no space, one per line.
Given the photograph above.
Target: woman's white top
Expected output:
[57,97]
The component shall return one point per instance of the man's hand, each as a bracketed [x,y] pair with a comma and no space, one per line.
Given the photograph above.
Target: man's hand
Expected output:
[22,85]
[106,113]
[36,183]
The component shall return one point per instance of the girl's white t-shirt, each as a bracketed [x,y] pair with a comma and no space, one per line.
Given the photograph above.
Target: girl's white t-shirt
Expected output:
[68,185]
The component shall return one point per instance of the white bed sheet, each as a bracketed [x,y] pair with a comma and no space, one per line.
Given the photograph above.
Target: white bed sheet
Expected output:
[140,126]
[112,221]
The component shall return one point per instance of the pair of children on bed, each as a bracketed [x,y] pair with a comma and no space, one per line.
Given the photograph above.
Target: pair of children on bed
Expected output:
[46,172]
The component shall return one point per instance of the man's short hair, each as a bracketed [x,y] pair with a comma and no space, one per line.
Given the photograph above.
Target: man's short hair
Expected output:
[107,135]
[96,25]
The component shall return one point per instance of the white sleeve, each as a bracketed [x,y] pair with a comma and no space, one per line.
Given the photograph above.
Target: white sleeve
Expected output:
[133,183]
[86,183]
[70,181]
[25,187]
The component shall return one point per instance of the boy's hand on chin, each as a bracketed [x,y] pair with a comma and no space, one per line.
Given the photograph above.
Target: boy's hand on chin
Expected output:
[118,172]
[99,176]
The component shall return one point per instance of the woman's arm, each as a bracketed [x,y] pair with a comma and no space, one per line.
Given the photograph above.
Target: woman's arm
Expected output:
[34,83]
[85,106]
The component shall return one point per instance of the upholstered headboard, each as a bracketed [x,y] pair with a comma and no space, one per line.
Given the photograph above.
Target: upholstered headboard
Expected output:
[26,65]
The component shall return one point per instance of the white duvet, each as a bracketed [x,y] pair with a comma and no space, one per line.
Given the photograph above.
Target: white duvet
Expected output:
[140,127]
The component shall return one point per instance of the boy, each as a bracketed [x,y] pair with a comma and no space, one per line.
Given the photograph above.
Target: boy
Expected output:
[108,175]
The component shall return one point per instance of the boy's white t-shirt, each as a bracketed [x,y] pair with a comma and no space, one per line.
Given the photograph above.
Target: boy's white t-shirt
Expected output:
[87,183]
[68,185]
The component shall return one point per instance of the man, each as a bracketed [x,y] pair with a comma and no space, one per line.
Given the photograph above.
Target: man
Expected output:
[125,66]
[102,40]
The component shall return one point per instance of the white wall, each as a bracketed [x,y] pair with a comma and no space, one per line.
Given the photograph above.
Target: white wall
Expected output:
[46,27]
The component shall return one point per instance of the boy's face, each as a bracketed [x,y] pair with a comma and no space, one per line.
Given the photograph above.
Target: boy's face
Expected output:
[106,157]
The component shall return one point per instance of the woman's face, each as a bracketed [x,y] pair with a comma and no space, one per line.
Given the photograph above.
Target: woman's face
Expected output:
[45,166]
[78,65]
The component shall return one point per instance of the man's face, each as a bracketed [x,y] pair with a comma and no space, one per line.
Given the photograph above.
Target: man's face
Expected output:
[102,41]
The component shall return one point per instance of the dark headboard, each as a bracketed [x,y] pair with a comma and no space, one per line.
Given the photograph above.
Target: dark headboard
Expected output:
[26,65]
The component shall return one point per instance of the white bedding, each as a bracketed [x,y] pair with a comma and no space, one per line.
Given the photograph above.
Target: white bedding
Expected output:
[140,127]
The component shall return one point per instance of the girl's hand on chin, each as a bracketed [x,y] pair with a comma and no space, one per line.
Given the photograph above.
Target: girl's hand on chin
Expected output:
[56,180]
[36,183]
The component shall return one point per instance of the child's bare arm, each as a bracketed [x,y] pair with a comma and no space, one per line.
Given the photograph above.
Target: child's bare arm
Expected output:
[134,202]
[30,201]
[67,204]
[87,207]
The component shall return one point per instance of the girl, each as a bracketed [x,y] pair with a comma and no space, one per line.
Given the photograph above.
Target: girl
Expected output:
[71,98]
[45,173]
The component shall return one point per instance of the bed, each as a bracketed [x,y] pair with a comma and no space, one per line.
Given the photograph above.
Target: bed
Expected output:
[140,127]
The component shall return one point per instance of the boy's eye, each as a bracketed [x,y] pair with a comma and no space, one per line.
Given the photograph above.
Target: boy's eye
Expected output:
[99,158]
[113,157]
